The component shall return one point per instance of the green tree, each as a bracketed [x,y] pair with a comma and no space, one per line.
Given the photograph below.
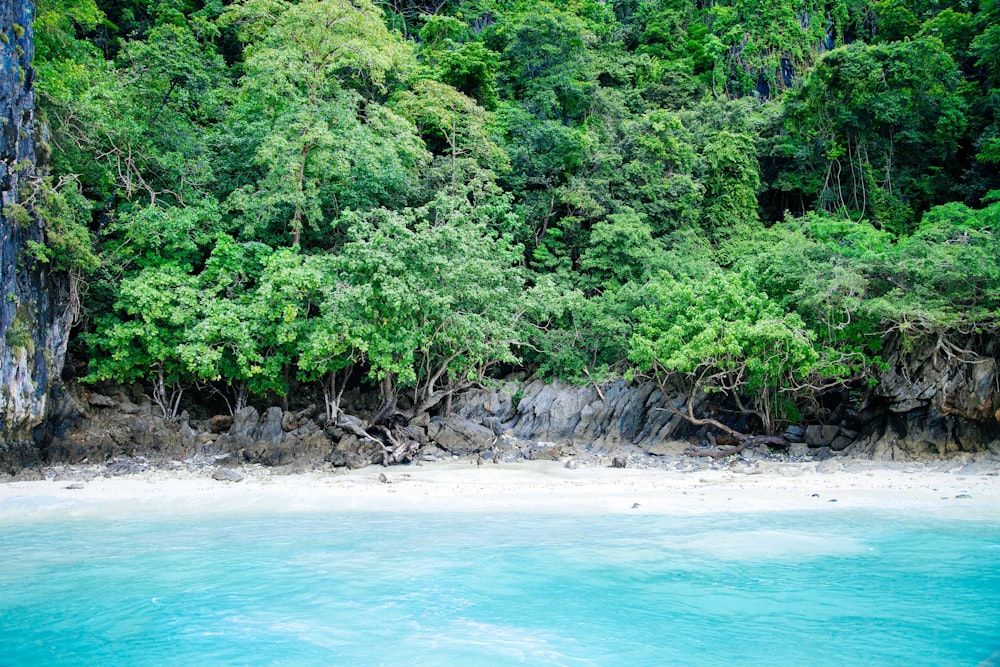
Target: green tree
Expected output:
[438,293]
[882,124]
[722,334]
[309,67]
[141,339]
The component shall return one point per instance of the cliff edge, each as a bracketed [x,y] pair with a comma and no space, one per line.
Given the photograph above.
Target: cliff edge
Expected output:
[35,311]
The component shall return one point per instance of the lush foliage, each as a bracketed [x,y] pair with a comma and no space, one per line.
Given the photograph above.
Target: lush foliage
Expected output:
[742,196]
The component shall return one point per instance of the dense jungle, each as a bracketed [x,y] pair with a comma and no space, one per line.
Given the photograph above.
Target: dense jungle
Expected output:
[268,201]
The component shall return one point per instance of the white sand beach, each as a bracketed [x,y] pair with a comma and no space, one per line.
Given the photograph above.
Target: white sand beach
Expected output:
[514,487]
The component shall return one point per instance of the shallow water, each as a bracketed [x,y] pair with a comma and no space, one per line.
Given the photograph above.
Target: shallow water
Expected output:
[817,588]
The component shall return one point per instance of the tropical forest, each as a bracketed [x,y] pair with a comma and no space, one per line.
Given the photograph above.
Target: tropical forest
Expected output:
[258,201]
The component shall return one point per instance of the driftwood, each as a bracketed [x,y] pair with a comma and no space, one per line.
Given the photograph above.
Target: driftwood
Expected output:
[741,444]
[387,429]
[397,446]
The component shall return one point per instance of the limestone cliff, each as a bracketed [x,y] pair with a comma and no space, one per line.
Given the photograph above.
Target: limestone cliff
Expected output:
[937,396]
[35,317]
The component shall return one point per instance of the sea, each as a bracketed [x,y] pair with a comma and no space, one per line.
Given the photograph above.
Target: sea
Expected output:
[318,587]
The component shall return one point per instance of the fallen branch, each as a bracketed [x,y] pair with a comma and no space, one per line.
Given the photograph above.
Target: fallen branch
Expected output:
[744,442]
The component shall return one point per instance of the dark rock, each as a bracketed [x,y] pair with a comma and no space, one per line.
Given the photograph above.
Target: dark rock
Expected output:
[272,429]
[356,461]
[794,434]
[220,423]
[821,436]
[822,453]
[244,422]
[227,475]
[951,383]
[125,466]
[840,443]
[572,464]
[797,450]
[100,400]
[418,433]
[355,453]
[74,486]
[460,436]
[619,462]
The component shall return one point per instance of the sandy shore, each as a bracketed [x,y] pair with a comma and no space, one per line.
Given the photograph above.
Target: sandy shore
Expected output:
[516,487]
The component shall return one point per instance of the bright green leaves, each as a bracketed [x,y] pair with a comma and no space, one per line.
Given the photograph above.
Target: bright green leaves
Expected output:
[319,144]
[152,236]
[452,125]
[141,341]
[949,270]
[570,185]
[438,290]
[304,49]
[622,249]
[724,334]
[731,183]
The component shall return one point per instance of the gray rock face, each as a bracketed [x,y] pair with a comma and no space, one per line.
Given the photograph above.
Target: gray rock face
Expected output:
[101,434]
[943,378]
[460,436]
[934,400]
[628,413]
[820,436]
[35,308]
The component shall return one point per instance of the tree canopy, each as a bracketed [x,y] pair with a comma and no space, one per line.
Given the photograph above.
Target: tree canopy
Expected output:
[271,197]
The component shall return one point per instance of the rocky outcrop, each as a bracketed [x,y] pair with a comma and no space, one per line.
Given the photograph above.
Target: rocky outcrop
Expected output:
[460,437]
[950,377]
[631,423]
[937,397]
[35,316]
[616,414]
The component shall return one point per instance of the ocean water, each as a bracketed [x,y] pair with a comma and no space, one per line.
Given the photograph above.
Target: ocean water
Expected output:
[327,588]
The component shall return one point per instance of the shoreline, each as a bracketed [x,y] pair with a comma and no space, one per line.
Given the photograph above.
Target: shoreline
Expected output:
[530,486]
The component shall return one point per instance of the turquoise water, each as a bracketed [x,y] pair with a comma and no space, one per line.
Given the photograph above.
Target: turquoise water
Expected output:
[818,588]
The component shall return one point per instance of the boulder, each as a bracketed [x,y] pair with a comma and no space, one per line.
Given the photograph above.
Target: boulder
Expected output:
[460,436]
[271,430]
[244,422]
[354,453]
[794,434]
[220,423]
[821,436]
[840,443]
[100,400]
[227,475]
[546,453]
